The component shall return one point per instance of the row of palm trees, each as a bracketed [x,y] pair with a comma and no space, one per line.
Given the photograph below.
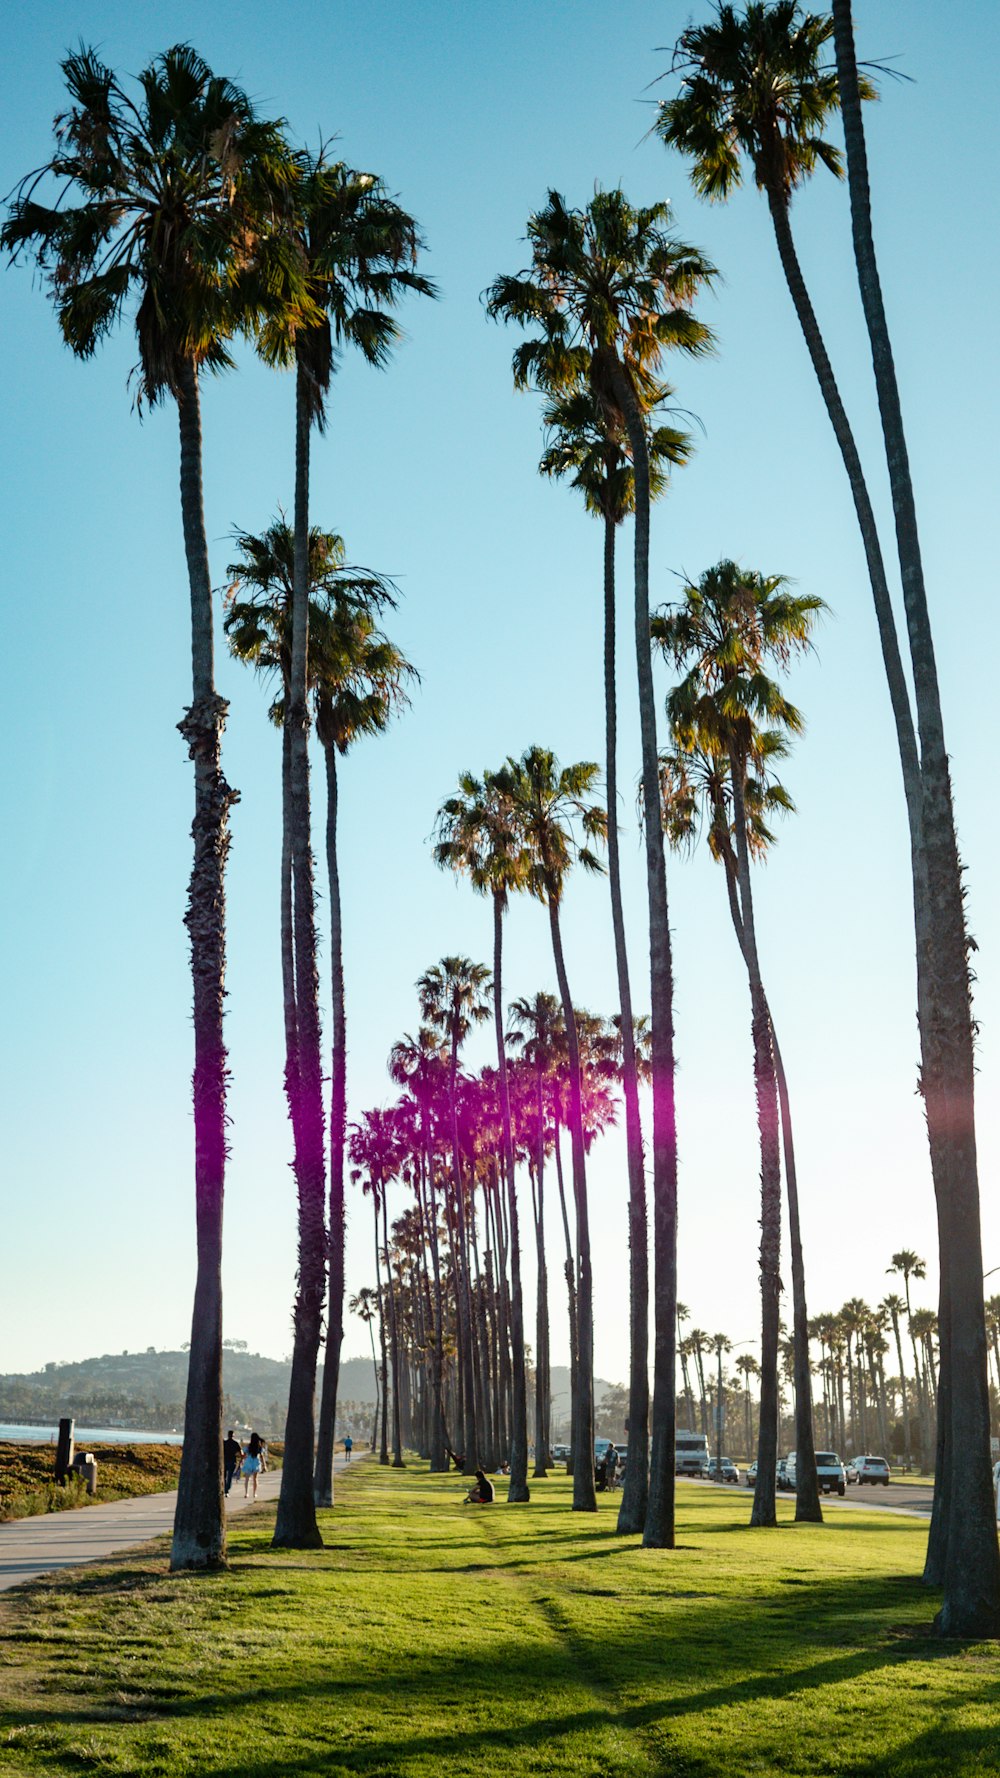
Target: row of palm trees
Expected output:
[199,214]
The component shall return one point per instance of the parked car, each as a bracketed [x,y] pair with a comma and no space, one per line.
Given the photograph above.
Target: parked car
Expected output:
[730,1473]
[781,1474]
[560,1453]
[830,1472]
[868,1469]
[751,1476]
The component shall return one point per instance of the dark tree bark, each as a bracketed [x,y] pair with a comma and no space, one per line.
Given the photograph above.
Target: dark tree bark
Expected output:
[199,1536]
[971,1604]
[397,1431]
[296,1526]
[635,1492]
[327,1432]
[659,1528]
[460,1261]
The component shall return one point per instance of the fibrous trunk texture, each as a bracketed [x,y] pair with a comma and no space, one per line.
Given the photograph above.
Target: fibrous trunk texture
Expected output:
[199,1536]
[336,1232]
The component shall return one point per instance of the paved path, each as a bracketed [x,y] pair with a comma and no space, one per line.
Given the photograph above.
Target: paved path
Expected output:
[87,1534]
[909,1498]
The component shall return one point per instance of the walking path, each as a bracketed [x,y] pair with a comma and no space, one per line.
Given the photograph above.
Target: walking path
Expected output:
[86,1534]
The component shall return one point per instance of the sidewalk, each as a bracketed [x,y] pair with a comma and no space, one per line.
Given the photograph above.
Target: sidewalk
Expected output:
[86,1534]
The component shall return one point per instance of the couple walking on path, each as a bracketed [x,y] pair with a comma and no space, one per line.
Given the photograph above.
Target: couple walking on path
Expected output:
[249,1463]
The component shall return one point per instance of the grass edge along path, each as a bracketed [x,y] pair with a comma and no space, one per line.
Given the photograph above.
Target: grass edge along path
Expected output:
[433,1637]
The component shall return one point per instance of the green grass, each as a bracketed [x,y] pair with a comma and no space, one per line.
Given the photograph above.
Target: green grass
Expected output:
[433,1639]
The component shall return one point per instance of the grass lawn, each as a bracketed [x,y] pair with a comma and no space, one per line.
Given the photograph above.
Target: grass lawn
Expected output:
[442,1641]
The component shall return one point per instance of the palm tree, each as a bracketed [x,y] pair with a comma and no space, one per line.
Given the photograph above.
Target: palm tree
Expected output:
[583,445]
[536,1027]
[420,1064]
[722,1343]
[162,213]
[359,680]
[963,1553]
[378,1150]
[477,838]
[354,249]
[992,1307]
[748,1367]
[545,802]
[365,1306]
[610,290]
[894,1307]
[454,995]
[723,631]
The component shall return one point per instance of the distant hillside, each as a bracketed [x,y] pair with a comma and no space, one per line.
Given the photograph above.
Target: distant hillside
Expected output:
[145,1390]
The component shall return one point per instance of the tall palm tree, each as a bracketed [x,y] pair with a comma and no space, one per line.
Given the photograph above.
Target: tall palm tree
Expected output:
[456,994]
[721,1343]
[355,249]
[357,680]
[963,1554]
[610,290]
[584,446]
[478,838]
[546,802]
[748,1367]
[535,1026]
[163,208]
[365,1305]
[724,631]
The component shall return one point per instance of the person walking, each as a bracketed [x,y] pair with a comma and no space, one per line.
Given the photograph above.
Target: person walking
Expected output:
[611,1468]
[348,1447]
[232,1457]
[252,1465]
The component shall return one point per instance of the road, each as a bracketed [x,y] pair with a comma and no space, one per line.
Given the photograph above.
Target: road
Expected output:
[87,1534]
[911,1498]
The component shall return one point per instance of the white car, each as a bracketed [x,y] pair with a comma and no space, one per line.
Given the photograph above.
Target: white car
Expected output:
[869,1469]
[829,1472]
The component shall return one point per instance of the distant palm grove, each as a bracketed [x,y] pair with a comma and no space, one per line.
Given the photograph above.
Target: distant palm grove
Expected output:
[170,205]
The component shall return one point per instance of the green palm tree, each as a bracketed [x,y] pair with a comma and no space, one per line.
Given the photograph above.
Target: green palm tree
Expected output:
[161,216]
[748,1367]
[609,291]
[454,995]
[721,1343]
[584,447]
[365,1305]
[354,249]
[724,631]
[546,802]
[477,838]
[963,1555]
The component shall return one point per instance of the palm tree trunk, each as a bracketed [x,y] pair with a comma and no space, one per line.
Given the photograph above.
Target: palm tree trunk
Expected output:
[461,1261]
[326,1436]
[807,1503]
[199,1537]
[295,1526]
[635,1492]
[371,1335]
[971,1604]
[765,1084]
[384,1442]
[542,1290]
[584,1489]
[659,1528]
[397,1435]
[518,1489]
[902,1387]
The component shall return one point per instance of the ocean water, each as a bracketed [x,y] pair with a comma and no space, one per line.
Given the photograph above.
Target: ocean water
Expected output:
[88,1435]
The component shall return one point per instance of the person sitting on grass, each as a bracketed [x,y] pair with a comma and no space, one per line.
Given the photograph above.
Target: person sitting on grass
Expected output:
[482,1492]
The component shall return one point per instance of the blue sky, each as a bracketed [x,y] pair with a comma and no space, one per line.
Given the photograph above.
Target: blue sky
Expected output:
[429,470]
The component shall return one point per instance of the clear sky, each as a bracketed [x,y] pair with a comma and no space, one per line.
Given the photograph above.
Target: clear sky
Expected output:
[471,113]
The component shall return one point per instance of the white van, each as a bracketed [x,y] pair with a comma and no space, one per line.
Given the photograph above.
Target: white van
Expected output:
[830,1473]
